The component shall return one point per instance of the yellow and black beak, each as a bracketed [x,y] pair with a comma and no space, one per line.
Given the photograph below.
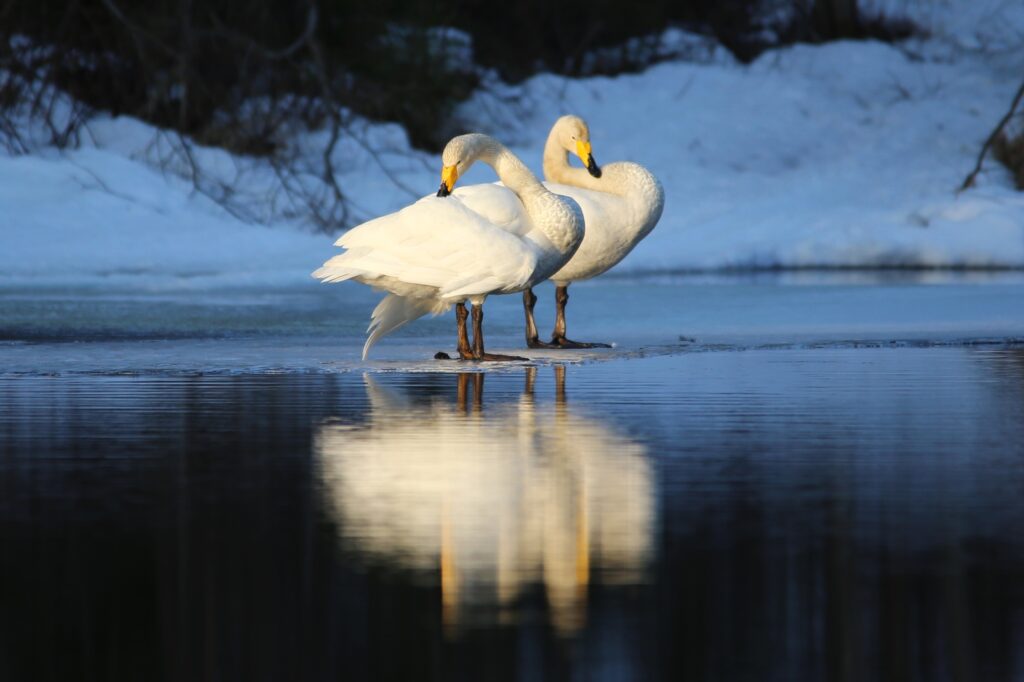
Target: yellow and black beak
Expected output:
[449,175]
[583,151]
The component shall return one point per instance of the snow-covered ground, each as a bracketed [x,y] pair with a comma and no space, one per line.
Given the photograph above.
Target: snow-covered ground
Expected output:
[841,155]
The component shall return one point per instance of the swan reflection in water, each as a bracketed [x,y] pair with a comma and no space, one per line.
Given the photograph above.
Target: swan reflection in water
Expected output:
[495,501]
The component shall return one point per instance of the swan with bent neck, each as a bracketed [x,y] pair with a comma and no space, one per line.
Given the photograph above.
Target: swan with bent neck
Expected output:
[621,202]
[460,246]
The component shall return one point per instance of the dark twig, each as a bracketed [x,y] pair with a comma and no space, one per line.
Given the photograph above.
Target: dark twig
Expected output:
[969,180]
[136,29]
[302,41]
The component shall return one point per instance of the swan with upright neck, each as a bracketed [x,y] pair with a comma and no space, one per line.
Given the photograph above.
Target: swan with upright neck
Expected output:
[621,203]
[460,245]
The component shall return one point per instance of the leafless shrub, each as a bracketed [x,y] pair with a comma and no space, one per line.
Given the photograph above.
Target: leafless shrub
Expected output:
[819,21]
[1008,149]
[245,77]
[240,77]
[998,138]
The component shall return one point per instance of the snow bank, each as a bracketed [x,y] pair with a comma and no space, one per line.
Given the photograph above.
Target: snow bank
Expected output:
[841,155]
[96,217]
[979,26]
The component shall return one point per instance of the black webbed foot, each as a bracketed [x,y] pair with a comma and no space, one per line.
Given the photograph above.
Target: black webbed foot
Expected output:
[493,357]
[535,342]
[567,344]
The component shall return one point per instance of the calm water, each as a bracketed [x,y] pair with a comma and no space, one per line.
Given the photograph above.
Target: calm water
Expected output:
[795,514]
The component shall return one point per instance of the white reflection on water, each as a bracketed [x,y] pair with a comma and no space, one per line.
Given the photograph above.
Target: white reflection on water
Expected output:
[494,498]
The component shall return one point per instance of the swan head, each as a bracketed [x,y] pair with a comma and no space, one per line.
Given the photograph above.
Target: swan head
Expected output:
[574,136]
[458,155]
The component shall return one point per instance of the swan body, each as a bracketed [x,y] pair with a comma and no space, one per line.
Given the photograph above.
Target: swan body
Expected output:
[621,203]
[621,207]
[444,250]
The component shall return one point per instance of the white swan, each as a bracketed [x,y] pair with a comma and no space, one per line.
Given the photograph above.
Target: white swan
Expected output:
[621,203]
[440,251]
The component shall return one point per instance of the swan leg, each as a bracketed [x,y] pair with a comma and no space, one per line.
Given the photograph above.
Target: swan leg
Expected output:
[558,339]
[465,350]
[478,338]
[532,337]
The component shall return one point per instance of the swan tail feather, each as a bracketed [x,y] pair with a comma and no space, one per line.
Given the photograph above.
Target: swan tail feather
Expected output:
[342,267]
[336,270]
[396,311]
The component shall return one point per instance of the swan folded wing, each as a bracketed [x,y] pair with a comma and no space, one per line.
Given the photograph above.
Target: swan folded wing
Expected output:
[436,242]
[498,205]
[595,205]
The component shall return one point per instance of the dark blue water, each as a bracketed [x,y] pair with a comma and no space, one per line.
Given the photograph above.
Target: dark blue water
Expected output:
[798,514]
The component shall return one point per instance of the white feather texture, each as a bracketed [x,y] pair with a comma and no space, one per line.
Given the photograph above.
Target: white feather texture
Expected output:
[481,240]
[621,207]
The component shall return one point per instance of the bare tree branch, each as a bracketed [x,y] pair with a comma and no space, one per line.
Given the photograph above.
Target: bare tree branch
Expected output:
[136,29]
[312,18]
[969,180]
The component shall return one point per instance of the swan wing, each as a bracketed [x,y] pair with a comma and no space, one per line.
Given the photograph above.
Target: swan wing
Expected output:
[498,205]
[440,243]
[599,208]
[610,235]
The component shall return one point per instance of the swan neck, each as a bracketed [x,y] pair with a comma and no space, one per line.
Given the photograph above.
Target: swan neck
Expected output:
[513,173]
[565,234]
[558,169]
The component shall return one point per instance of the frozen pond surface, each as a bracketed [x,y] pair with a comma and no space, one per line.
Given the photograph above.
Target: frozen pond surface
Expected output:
[824,483]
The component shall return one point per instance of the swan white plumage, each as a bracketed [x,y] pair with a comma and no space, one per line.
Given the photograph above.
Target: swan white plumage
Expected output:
[445,250]
[621,202]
